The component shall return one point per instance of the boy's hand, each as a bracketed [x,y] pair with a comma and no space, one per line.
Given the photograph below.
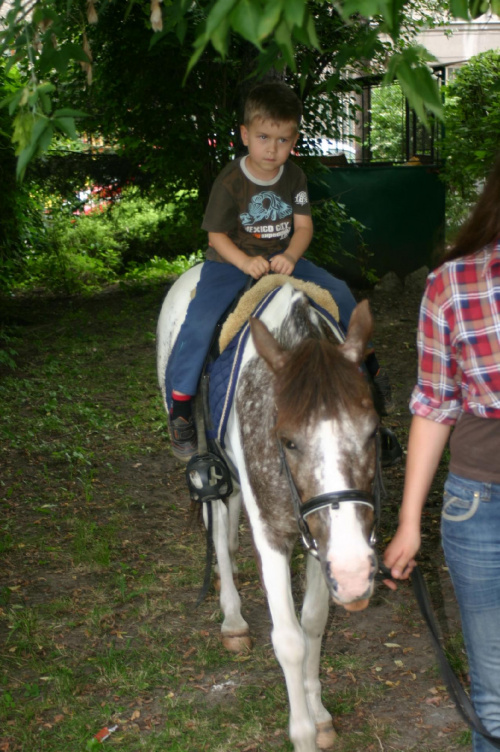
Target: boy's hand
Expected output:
[255,266]
[282,264]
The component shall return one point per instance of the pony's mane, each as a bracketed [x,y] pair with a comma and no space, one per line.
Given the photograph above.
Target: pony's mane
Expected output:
[317,380]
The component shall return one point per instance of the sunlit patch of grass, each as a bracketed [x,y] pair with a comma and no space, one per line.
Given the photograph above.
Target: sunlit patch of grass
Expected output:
[371,735]
[342,663]
[6,541]
[27,634]
[123,669]
[464,739]
[92,544]
[456,655]
[346,701]
[59,607]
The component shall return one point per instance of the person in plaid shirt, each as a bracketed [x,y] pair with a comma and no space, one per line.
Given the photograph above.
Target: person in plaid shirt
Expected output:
[459,388]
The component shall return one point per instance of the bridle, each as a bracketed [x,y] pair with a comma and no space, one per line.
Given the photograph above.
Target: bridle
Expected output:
[332,500]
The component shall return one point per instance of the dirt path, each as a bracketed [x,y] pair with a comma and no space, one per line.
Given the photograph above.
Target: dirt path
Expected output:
[378,665]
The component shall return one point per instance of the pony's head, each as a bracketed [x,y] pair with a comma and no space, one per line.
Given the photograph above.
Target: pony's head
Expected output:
[326,425]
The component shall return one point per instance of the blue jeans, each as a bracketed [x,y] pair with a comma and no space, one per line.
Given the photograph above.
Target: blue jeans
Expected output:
[470,528]
[217,288]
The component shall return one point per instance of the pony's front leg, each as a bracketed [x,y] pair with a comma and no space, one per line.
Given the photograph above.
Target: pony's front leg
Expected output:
[235,631]
[289,645]
[234,512]
[314,618]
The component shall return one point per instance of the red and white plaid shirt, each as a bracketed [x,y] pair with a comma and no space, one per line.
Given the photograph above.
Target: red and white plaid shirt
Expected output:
[459,340]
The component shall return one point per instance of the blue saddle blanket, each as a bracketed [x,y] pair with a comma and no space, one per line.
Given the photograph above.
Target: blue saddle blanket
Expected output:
[223,372]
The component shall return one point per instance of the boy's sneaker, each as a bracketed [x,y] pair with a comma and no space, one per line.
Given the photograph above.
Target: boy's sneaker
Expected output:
[383,393]
[183,438]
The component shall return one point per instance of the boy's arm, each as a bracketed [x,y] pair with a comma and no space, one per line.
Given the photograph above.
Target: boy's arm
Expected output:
[255,266]
[284,263]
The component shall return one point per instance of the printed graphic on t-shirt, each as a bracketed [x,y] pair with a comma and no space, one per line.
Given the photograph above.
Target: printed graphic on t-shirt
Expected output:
[264,212]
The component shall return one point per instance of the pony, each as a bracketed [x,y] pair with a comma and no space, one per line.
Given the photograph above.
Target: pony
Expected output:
[301,440]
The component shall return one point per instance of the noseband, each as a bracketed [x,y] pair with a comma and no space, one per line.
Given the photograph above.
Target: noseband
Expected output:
[333,500]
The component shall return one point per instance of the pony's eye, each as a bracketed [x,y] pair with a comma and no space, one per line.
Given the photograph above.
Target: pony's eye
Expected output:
[288,444]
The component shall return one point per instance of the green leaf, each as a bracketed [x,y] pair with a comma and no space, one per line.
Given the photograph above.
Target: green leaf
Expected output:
[366,8]
[181,30]
[460,9]
[420,89]
[75,52]
[66,125]
[284,40]
[41,136]
[195,57]
[311,31]
[45,138]
[294,11]
[271,15]
[12,101]
[218,16]
[68,112]
[417,82]
[45,88]
[23,126]
[478,7]
[220,37]
[245,21]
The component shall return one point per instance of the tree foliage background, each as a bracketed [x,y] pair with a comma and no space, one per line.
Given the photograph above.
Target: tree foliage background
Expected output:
[160,85]
[472,137]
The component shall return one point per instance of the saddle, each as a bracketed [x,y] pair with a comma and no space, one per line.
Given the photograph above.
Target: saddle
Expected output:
[220,373]
[219,377]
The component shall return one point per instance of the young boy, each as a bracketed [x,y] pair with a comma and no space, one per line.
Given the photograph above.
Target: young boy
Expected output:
[258,220]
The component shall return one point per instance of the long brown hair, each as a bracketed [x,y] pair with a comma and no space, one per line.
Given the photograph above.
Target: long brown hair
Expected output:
[483,225]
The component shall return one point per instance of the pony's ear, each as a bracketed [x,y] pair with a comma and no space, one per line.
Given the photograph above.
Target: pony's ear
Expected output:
[358,333]
[265,344]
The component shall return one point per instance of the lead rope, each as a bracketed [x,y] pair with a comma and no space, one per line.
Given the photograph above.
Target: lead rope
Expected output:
[453,683]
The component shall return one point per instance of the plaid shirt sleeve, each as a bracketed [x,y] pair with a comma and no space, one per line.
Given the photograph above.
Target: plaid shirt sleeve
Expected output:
[438,394]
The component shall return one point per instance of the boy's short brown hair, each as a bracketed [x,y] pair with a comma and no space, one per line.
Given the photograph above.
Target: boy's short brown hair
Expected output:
[273,101]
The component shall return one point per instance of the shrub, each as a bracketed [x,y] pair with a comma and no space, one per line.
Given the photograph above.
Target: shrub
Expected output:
[472,135]
[331,222]
[131,238]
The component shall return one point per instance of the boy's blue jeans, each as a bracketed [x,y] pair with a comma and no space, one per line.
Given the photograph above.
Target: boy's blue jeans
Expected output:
[470,528]
[218,286]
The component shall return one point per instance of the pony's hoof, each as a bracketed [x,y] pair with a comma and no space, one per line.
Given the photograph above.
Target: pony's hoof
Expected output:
[217,582]
[237,643]
[325,735]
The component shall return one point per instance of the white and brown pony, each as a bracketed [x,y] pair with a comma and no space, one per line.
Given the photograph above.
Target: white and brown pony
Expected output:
[302,437]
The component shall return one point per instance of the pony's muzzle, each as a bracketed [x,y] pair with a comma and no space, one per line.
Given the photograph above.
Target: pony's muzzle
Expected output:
[350,586]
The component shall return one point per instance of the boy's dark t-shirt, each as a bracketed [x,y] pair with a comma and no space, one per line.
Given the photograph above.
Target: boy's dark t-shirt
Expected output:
[257,215]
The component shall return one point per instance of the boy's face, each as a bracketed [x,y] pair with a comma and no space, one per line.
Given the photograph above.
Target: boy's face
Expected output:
[269,145]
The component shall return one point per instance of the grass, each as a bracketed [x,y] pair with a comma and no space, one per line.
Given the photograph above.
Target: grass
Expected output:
[97,593]
[100,571]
